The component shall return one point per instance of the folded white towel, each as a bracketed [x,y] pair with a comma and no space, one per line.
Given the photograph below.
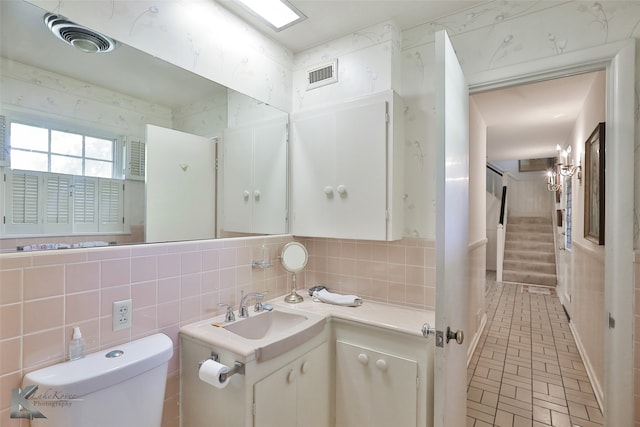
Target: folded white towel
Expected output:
[337,299]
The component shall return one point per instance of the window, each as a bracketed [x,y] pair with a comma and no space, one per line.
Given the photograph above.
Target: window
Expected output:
[61,183]
[48,150]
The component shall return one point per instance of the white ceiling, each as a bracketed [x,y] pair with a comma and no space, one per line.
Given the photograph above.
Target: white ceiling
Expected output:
[529,121]
[331,19]
[523,122]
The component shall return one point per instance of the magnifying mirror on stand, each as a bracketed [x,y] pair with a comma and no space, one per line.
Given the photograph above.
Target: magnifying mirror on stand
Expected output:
[294,258]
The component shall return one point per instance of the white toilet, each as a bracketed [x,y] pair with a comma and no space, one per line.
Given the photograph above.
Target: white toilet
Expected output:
[122,386]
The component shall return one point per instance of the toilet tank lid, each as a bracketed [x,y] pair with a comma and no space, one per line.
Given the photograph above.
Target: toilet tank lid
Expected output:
[96,371]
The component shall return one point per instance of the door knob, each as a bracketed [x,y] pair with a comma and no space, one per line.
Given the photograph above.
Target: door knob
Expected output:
[428,330]
[457,335]
[245,194]
[342,190]
[256,194]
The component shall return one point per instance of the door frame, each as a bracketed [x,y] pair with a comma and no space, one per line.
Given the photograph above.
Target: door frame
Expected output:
[619,61]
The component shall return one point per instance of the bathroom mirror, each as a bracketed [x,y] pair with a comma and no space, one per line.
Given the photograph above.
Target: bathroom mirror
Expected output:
[117,94]
[294,258]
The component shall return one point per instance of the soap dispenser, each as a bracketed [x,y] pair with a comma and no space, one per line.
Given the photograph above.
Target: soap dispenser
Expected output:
[76,346]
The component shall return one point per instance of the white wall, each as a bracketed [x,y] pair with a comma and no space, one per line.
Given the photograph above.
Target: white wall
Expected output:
[477,220]
[581,278]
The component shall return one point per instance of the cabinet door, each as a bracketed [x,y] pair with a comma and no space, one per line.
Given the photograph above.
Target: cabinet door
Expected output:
[313,388]
[339,171]
[313,171]
[374,388]
[270,178]
[295,395]
[237,179]
[361,171]
[275,399]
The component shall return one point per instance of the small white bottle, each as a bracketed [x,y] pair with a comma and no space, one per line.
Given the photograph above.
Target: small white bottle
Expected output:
[76,346]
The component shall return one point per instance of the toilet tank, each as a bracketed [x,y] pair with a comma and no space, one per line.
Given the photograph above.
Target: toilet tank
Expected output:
[121,386]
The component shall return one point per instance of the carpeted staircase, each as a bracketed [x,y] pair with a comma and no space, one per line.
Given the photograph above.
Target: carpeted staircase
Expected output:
[529,254]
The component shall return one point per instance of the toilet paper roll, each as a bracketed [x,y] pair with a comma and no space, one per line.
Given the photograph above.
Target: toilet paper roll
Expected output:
[210,372]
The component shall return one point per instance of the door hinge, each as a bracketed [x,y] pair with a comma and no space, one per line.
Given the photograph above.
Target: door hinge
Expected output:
[253,408]
[612,321]
[387,118]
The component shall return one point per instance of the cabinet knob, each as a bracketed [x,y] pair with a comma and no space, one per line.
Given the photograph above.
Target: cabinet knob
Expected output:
[245,194]
[363,358]
[342,190]
[328,190]
[256,194]
[304,368]
[291,376]
[382,365]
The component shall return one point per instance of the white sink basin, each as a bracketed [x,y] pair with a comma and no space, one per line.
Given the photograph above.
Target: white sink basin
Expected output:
[261,336]
[265,324]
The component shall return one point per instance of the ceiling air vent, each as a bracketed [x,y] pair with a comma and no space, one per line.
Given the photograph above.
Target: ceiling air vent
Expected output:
[82,38]
[323,75]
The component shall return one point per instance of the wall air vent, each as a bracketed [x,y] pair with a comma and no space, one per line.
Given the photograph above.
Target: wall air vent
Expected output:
[323,75]
[82,38]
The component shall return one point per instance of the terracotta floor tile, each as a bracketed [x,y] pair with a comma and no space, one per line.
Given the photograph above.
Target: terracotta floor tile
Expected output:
[526,370]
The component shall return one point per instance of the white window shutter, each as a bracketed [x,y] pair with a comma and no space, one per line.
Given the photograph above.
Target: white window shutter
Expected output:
[58,203]
[136,161]
[4,142]
[22,202]
[85,204]
[111,195]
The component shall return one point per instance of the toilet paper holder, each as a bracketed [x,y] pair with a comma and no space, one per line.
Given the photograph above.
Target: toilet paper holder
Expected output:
[238,367]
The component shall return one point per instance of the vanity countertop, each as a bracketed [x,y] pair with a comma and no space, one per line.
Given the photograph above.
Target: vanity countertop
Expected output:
[397,318]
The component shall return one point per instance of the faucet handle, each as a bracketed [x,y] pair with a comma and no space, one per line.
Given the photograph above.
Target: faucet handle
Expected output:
[229,316]
[259,306]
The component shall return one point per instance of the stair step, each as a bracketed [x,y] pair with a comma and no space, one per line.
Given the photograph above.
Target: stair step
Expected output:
[529,245]
[528,220]
[529,267]
[539,228]
[534,256]
[529,236]
[529,278]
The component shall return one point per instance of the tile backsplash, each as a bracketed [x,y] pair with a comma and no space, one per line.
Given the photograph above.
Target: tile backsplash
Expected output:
[401,272]
[43,295]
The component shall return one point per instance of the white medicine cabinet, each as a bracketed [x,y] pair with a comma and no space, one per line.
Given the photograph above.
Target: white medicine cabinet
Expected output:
[346,169]
[254,176]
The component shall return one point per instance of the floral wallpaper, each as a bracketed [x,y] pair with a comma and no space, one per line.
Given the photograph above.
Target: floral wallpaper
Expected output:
[200,36]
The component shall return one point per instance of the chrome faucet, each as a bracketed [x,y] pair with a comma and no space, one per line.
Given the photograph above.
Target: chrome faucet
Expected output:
[243,311]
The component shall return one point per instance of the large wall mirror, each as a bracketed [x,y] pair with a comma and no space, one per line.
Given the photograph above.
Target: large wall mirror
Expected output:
[216,160]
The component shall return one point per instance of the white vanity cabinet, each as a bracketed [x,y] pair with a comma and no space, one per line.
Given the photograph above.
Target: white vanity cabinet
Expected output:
[374,388]
[382,377]
[254,178]
[295,395]
[346,169]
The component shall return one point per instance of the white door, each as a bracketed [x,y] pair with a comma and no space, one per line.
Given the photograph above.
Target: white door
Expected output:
[452,218]
[180,186]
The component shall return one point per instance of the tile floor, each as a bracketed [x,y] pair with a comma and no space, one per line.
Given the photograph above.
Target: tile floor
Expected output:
[526,370]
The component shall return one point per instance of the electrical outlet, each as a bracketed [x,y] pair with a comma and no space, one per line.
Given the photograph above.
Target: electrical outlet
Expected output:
[122,314]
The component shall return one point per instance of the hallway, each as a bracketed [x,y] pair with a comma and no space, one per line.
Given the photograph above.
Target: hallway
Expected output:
[526,370]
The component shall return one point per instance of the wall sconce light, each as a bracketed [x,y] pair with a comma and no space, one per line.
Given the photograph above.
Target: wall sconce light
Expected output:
[568,169]
[552,185]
